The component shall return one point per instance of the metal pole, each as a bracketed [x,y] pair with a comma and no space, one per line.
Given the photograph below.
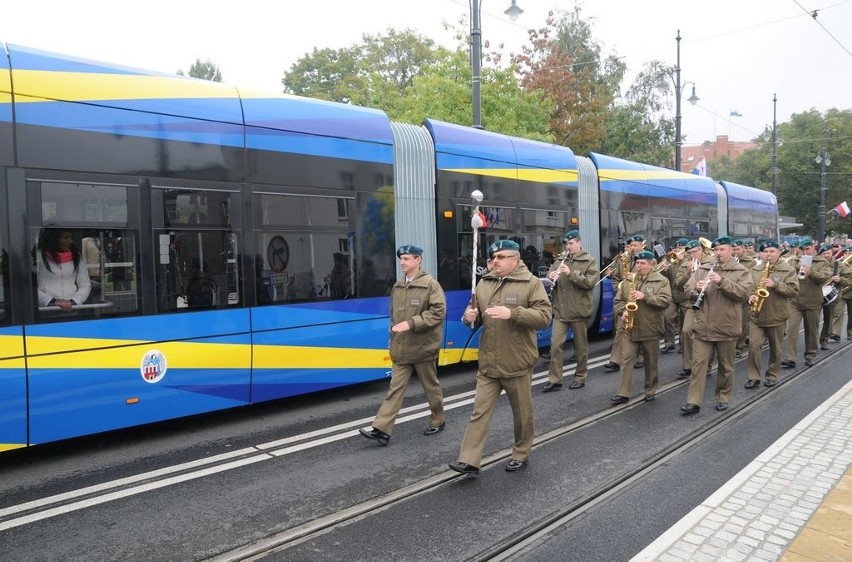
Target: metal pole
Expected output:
[678,93]
[476,61]
[774,144]
[821,232]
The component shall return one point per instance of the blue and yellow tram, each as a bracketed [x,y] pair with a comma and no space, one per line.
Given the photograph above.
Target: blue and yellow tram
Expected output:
[244,242]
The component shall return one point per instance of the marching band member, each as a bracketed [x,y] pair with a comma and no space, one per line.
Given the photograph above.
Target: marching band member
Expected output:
[695,256]
[769,311]
[806,305]
[649,293]
[634,245]
[574,281]
[720,289]
[743,255]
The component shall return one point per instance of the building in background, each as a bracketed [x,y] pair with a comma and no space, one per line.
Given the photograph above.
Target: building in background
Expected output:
[712,151]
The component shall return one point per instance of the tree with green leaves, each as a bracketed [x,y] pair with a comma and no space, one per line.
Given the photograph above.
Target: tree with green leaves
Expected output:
[565,64]
[204,70]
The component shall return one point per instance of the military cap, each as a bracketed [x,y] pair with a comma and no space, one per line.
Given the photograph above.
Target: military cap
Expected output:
[769,244]
[825,248]
[693,244]
[748,242]
[409,249]
[645,255]
[737,243]
[636,238]
[806,241]
[570,235]
[722,240]
[503,245]
[681,242]
[848,248]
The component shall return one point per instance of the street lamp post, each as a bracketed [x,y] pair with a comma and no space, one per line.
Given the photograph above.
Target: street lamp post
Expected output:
[693,99]
[774,170]
[513,12]
[824,160]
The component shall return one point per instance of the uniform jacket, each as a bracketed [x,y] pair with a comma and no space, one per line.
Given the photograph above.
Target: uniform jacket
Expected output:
[720,318]
[684,272]
[572,296]
[845,282]
[421,303]
[776,308]
[810,288]
[648,320]
[508,348]
[62,281]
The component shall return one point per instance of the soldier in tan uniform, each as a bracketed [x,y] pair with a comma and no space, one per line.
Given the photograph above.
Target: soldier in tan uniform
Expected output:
[695,256]
[511,304]
[778,279]
[623,265]
[719,290]
[574,281]
[805,307]
[744,256]
[651,293]
[418,309]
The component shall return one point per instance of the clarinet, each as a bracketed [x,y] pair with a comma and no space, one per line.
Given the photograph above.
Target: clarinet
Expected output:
[699,301]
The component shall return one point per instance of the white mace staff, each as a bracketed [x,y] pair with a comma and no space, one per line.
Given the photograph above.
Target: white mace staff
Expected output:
[476,223]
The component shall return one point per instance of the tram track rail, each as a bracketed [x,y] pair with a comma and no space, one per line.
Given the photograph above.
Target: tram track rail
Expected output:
[538,531]
[58,504]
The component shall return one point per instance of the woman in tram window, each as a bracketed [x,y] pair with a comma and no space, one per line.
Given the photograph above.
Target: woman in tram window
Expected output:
[63,279]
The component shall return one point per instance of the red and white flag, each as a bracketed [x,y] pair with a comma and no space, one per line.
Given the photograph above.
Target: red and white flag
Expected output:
[477,220]
[843,209]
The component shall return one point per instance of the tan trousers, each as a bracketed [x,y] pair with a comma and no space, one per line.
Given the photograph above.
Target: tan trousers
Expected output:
[702,354]
[686,338]
[671,323]
[519,392]
[840,310]
[650,350]
[811,321]
[617,347]
[400,375]
[557,345]
[775,335]
[745,333]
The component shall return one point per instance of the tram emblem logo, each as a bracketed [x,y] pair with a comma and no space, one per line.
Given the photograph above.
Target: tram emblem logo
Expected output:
[153,367]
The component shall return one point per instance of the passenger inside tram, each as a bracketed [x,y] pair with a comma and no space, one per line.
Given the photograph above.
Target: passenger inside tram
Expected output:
[63,278]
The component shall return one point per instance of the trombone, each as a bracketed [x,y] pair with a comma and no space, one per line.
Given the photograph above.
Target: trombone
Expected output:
[669,260]
[608,269]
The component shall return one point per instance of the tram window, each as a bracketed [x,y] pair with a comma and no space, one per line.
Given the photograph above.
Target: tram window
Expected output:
[103,283]
[304,266]
[296,211]
[203,208]
[197,269]
[79,203]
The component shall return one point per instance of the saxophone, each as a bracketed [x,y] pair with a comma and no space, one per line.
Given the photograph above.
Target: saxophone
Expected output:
[760,291]
[631,307]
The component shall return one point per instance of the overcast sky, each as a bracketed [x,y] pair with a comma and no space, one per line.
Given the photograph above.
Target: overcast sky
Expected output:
[737,52]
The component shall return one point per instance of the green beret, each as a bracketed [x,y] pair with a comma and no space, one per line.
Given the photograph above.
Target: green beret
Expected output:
[825,248]
[645,255]
[693,244]
[768,244]
[503,245]
[409,249]
[681,242]
[722,240]
[806,241]
[570,235]
[737,243]
[636,238]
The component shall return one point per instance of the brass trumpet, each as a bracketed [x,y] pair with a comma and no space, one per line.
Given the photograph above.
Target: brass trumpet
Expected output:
[675,256]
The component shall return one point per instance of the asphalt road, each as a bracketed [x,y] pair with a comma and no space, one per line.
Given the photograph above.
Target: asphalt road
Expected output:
[294,461]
